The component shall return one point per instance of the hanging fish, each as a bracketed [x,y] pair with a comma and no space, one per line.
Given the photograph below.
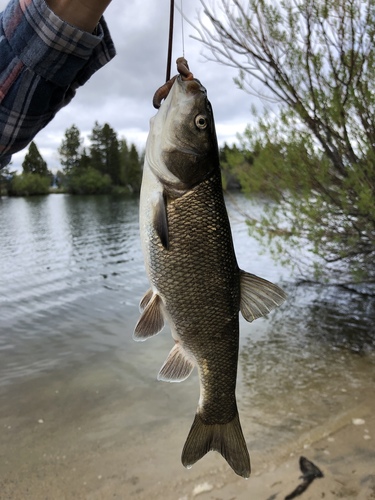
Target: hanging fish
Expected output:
[196,284]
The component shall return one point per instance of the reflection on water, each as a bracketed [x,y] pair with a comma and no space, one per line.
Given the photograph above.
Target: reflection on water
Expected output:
[71,276]
[68,265]
[58,249]
[71,266]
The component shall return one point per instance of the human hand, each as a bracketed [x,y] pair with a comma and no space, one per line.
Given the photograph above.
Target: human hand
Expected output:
[84,14]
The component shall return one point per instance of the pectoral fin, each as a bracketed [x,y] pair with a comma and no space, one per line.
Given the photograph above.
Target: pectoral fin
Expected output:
[161,221]
[258,296]
[152,319]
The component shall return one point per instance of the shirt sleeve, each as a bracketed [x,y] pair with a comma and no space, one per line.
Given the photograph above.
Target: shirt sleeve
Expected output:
[43,60]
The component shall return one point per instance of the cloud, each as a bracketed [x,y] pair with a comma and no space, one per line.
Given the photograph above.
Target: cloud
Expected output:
[120,94]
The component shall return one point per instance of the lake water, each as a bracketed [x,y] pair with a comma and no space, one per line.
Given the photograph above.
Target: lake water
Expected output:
[71,276]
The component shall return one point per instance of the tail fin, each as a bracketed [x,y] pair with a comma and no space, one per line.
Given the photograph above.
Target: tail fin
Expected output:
[227,439]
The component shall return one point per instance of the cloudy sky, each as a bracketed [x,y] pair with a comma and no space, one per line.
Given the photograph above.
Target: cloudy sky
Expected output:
[120,94]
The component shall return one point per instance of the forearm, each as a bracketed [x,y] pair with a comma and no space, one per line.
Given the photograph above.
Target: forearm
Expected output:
[84,14]
[39,70]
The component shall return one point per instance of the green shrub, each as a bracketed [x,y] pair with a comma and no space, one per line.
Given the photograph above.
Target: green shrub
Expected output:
[29,184]
[90,181]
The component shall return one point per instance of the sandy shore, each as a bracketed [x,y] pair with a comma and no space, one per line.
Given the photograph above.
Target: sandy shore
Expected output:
[90,434]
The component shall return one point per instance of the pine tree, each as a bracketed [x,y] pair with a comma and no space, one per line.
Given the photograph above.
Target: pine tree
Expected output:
[105,152]
[33,162]
[71,150]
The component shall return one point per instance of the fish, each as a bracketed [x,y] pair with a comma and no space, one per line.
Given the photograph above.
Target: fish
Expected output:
[196,285]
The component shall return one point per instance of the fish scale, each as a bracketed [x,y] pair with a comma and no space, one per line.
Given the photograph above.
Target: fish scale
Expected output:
[199,268]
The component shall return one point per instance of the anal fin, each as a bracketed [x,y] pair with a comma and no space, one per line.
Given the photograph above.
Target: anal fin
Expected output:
[177,366]
[258,296]
[152,319]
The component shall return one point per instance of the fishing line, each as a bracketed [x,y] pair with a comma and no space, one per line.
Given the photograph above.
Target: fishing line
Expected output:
[170,40]
[182,29]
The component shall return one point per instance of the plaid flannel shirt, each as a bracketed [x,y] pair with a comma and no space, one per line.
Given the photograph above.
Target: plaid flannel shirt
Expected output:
[43,61]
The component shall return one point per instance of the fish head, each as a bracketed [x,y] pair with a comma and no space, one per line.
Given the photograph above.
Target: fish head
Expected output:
[182,148]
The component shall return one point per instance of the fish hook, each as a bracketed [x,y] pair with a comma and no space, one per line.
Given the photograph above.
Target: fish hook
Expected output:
[163,91]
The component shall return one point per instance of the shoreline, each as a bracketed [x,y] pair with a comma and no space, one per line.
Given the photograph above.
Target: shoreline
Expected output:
[90,435]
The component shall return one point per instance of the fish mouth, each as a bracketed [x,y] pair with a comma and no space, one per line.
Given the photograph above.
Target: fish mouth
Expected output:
[185,78]
[190,86]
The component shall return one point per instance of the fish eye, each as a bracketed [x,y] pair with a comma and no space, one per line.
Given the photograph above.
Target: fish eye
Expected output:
[201,121]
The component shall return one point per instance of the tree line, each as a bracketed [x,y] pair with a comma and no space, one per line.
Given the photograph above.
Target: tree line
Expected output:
[108,165]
